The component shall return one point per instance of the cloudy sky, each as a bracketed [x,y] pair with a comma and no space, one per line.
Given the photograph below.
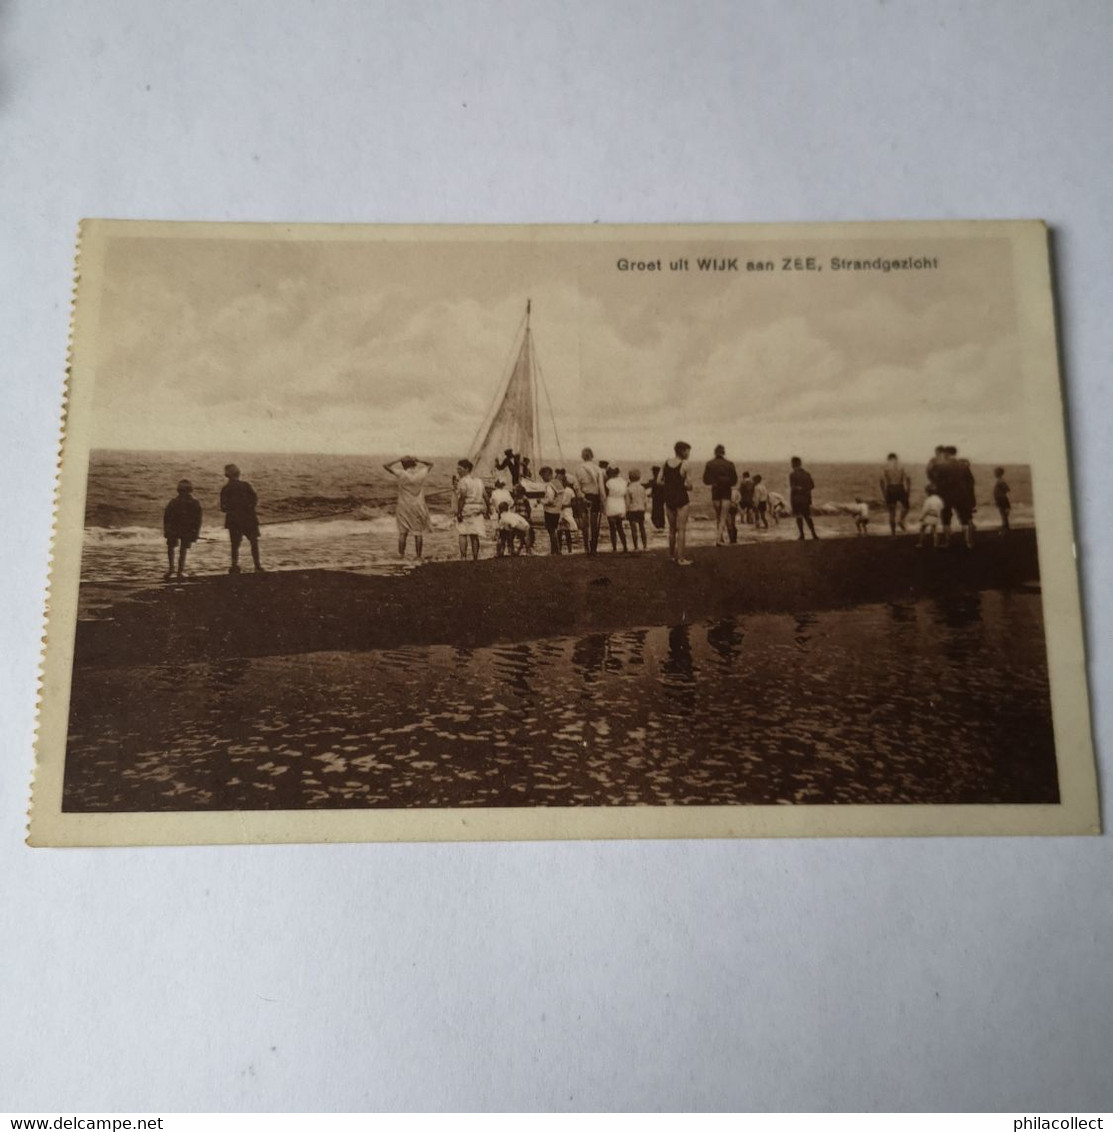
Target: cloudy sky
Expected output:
[383,346]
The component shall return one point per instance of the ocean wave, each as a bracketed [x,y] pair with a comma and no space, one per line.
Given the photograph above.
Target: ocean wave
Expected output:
[375,523]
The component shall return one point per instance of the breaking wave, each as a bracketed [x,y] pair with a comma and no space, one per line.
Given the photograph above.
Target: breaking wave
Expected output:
[375,524]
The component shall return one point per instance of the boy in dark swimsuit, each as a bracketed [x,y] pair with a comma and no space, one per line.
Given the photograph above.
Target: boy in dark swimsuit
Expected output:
[800,488]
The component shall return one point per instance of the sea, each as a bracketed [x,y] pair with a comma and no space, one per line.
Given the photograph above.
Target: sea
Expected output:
[336,512]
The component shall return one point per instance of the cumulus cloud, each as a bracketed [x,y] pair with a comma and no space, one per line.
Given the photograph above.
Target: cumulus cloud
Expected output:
[342,347]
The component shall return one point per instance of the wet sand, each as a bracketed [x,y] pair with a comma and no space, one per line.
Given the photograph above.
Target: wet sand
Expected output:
[837,671]
[519,599]
[937,701]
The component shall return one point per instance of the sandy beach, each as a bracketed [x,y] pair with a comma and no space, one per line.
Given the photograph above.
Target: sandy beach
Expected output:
[514,599]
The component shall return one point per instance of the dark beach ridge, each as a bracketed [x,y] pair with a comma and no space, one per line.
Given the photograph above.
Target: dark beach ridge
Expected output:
[838,671]
[513,599]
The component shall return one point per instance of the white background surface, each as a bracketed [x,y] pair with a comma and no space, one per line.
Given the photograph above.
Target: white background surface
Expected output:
[877,974]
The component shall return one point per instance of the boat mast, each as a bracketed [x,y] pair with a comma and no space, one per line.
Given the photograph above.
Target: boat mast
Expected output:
[538,460]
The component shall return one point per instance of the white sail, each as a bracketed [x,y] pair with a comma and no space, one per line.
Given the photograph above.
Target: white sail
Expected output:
[513,421]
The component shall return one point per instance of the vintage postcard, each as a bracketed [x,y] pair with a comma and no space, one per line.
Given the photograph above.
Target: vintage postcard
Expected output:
[421,533]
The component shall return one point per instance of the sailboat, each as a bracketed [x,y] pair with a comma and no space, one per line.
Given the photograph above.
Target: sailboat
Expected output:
[513,419]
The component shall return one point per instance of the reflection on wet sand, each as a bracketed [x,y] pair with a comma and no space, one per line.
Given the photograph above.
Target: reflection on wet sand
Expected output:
[914,702]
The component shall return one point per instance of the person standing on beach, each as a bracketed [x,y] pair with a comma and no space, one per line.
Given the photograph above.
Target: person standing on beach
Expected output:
[761,504]
[675,484]
[181,527]
[1001,498]
[895,486]
[635,508]
[471,509]
[589,481]
[746,498]
[940,457]
[720,475]
[800,488]
[567,522]
[656,498]
[551,507]
[616,508]
[411,513]
[962,499]
[237,501]
[931,515]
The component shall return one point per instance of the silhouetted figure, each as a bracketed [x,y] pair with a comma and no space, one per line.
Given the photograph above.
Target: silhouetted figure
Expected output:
[237,501]
[656,498]
[720,475]
[511,462]
[939,457]
[676,484]
[181,527]
[1001,498]
[895,486]
[800,488]
[955,482]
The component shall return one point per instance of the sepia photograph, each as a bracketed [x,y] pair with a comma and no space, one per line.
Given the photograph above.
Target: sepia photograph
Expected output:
[403,533]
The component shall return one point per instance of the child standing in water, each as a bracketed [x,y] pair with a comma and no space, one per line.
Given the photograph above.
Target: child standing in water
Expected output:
[237,501]
[635,509]
[1001,498]
[616,506]
[931,516]
[181,527]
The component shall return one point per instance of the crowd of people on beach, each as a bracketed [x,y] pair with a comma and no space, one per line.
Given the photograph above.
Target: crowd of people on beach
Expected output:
[574,503]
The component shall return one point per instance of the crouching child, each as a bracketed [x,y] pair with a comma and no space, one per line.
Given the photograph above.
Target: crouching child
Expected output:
[512,532]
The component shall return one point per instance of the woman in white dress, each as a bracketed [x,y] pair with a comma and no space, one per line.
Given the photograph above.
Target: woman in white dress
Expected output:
[471,509]
[411,513]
